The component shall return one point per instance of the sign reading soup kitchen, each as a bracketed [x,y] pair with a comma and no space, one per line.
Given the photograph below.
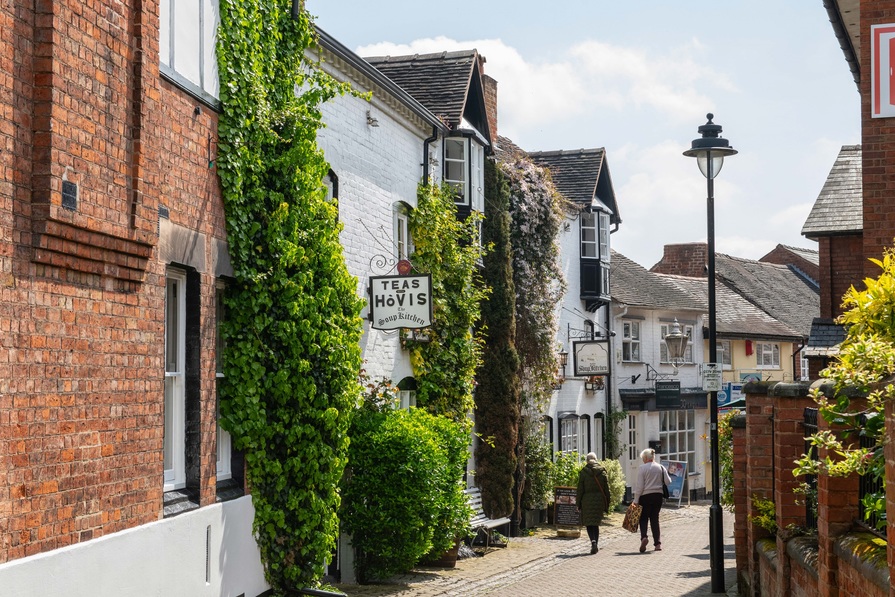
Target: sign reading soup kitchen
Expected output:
[400,302]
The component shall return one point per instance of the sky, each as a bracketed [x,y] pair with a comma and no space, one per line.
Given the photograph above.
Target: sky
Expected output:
[637,77]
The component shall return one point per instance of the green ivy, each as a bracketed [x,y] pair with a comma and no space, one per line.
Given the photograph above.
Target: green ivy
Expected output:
[725,458]
[497,392]
[292,336]
[538,486]
[449,250]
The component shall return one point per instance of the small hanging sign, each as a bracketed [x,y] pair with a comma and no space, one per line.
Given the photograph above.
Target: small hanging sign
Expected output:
[400,302]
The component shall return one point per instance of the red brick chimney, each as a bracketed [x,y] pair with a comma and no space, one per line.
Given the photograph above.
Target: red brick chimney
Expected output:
[690,260]
[490,88]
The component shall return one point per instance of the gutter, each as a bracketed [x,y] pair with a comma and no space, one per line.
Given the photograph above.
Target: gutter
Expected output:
[842,35]
[426,143]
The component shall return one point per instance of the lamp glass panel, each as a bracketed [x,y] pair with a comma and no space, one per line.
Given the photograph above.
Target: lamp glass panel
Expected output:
[710,164]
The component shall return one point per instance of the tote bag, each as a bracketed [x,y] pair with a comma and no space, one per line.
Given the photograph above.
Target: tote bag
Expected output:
[632,518]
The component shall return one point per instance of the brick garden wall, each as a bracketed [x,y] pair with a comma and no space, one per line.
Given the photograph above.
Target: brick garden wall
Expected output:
[773,437]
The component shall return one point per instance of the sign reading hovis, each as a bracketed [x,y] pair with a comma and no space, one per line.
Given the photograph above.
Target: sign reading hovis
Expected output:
[400,302]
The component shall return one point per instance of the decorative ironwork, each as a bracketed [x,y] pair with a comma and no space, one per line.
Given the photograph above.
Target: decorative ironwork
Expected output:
[809,423]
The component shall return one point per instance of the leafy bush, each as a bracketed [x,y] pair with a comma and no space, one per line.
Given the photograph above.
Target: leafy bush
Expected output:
[538,472]
[766,517]
[725,458]
[616,477]
[566,469]
[401,494]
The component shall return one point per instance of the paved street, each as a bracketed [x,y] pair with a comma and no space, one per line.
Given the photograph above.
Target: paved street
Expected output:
[544,565]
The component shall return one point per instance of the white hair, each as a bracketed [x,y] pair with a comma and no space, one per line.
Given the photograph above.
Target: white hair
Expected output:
[591,457]
[648,454]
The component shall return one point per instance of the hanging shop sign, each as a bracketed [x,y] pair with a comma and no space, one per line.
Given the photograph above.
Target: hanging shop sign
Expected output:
[400,302]
[668,395]
[590,357]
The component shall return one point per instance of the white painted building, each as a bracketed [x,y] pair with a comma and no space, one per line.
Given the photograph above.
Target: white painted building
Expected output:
[580,405]
[644,308]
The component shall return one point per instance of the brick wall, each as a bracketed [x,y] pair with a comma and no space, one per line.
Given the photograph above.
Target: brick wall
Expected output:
[783,256]
[689,260]
[82,287]
[878,147]
[841,266]
[773,427]
[490,88]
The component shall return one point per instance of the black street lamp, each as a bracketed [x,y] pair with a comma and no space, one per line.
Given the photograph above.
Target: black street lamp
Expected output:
[709,151]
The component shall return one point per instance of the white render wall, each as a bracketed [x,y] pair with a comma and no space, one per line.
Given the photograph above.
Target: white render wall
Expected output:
[647,423]
[570,313]
[162,559]
[377,168]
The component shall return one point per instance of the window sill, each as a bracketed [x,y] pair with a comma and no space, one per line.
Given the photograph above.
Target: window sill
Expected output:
[228,490]
[179,501]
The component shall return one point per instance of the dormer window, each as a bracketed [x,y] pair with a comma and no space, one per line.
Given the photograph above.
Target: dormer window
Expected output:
[464,170]
[594,224]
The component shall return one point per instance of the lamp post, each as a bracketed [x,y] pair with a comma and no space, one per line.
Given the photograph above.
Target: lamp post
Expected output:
[710,151]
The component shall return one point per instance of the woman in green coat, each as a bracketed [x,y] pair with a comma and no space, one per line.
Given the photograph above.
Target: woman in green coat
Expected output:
[592,498]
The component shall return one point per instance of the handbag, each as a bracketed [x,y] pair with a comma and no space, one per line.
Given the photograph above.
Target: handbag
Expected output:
[632,518]
[664,491]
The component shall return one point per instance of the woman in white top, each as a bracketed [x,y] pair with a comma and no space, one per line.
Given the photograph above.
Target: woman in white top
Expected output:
[648,493]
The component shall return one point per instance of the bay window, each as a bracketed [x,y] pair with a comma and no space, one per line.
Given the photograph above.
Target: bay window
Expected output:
[595,254]
[464,170]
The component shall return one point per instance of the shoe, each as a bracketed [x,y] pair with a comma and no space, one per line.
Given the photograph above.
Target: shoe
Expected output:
[593,547]
[643,543]
[658,547]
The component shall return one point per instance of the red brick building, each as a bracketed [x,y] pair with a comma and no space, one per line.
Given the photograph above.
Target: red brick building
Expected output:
[112,247]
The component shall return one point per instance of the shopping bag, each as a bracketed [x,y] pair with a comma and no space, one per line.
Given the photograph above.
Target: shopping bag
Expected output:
[632,518]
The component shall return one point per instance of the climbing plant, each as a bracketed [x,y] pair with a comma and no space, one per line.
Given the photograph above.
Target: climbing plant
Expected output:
[292,353]
[450,250]
[864,366]
[497,391]
[536,214]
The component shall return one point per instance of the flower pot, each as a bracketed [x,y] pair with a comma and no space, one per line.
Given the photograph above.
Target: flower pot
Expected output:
[448,559]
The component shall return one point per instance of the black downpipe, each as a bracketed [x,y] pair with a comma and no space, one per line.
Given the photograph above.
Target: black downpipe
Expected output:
[610,428]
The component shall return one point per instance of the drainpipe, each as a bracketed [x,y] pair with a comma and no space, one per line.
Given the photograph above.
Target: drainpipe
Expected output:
[608,330]
[426,154]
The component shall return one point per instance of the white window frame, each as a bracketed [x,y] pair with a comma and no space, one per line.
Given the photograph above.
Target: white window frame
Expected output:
[633,454]
[569,430]
[724,356]
[677,433]
[456,167]
[631,341]
[665,328]
[174,452]
[803,366]
[187,53]
[224,468]
[589,226]
[604,237]
[464,170]
[406,399]
[403,242]
[767,355]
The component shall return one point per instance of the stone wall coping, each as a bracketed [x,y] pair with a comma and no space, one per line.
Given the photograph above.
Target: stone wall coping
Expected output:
[845,549]
[803,550]
[767,548]
[790,389]
[738,421]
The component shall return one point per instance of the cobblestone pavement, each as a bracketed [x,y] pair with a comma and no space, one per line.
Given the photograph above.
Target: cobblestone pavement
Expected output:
[545,564]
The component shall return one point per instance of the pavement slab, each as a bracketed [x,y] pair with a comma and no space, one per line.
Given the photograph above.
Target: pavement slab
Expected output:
[545,564]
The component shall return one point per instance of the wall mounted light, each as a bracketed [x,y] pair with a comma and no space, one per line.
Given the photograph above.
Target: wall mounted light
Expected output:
[371,120]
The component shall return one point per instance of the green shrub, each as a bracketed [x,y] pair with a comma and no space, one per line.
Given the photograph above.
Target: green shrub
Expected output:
[538,472]
[766,516]
[401,495]
[566,469]
[616,477]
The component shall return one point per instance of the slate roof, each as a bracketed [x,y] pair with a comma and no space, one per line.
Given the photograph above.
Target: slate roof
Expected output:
[575,172]
[825,338]
[439,81]
[580,175]
[775,289]
[735,317]
[838,208]
[506,151]
[636,286]
[810,255]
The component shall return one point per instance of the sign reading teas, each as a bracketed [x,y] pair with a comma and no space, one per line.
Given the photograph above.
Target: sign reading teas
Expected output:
[400,302]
